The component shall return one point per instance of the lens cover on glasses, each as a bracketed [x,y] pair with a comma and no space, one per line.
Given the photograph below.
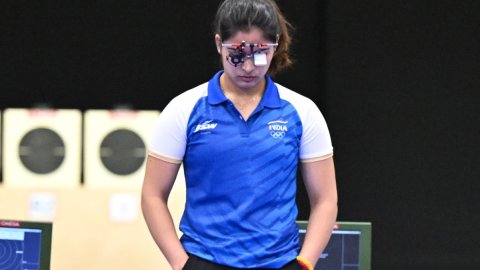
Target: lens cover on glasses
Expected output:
[237,52]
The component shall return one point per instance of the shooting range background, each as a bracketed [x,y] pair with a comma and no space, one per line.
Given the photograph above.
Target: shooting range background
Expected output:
[397,82]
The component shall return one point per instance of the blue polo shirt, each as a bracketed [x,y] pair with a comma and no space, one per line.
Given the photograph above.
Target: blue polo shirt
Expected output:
[241,175]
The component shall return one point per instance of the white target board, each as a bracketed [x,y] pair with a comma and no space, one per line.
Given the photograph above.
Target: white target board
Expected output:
[42,148]
[115,147]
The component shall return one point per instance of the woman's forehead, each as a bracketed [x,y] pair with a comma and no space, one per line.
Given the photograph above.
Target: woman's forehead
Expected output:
[252,35]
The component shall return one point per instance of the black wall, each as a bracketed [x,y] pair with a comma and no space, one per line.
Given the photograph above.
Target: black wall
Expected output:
[403,105]
[396,80]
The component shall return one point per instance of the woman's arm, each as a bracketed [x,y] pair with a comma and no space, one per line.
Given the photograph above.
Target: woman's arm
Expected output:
[159,178]
[320,183]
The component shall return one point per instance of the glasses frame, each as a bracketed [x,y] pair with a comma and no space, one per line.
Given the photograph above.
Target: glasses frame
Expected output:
[239,56]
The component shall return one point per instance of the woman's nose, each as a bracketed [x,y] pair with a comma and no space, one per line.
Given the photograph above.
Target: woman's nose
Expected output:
[248,65]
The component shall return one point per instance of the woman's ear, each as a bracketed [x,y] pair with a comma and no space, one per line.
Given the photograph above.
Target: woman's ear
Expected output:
[218,43]
[276,41]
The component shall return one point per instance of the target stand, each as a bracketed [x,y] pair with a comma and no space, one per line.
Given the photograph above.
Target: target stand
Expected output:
[115,147]
[42,148]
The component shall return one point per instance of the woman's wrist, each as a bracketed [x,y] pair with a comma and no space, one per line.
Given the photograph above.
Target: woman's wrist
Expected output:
[180,262]
[304,263]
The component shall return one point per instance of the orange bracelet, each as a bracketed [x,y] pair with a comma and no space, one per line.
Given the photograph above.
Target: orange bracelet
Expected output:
[304,263]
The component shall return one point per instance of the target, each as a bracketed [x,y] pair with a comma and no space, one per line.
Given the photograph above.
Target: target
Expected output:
[42,148]
[122,152]
[115,147]
[10,254]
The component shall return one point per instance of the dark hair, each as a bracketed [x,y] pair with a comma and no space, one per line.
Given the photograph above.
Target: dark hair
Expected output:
[240,15]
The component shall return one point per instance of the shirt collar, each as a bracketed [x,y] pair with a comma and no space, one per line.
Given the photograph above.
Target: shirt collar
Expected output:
[271,98]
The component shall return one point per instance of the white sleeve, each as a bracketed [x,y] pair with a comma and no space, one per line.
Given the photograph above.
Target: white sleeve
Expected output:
[316,143]
[169,134]
[169,137]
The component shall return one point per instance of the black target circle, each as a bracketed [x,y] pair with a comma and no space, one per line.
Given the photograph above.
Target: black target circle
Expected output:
[42,150]
[122,152]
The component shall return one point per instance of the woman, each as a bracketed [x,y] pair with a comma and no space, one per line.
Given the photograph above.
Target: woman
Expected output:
[240,137]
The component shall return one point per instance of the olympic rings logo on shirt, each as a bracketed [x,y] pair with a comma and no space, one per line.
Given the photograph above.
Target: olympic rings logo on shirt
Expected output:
[278,128]
[277,134]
